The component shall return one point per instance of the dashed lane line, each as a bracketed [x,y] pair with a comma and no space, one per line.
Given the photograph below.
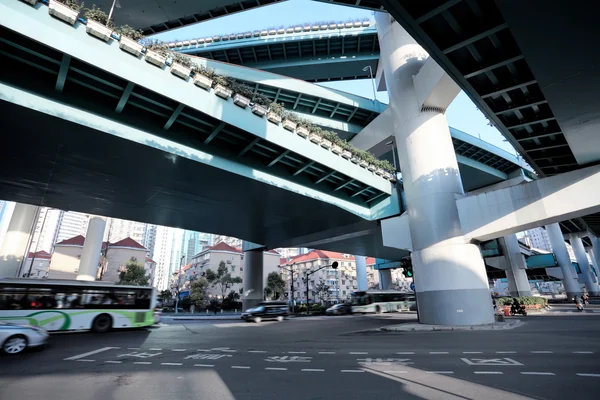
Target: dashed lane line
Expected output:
[359,352]
[154,349]
[169,363]
[89,353]
[488,372]
[542,352]
[472,352]
[142,362]
[113,362]
[257,351]
[85,360]
[439,352]
[506,352]
[538,373]
[312,370]
[352,370]
[405,352]
[327,352]
[296,352]
[275,369]
[204,365]
[589,375]
[583,352]
[178,349]
[240,367]
[439,372]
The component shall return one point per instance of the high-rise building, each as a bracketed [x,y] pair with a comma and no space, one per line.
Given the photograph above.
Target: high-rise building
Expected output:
[71,224]
[194,243]
[230,240]
[167,254]
[119,229]
[45,230]
[538,238]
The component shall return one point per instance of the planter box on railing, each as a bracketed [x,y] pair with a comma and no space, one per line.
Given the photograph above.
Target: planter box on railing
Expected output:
[336,149]
[326,143]
[98,30]
[156,59]
[289,125]
[371,168]
[315,138]
[363,163]
[241,101]
[355,159]
[347,154]
[32,2]
[302,131]
[131,46]
[379,171]
[62,12]
[202,81]
[259,110]
[181,71]
[274,118]
[223,92]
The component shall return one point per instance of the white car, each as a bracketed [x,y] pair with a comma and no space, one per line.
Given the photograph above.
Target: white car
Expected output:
[15,338]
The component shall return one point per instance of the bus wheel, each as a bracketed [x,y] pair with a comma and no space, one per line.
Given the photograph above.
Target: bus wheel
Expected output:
[378,310]
[102,323]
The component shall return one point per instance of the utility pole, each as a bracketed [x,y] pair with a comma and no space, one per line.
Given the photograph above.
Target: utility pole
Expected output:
[37,244]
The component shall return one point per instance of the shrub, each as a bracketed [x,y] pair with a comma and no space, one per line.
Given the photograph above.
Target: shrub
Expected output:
[277,109]
[292,116]
[131,33]
[241,89]
[96,14]
[181,59]
[158,47]
[526,300]
[220,80]
[202,70]
[72,4]
[261,100]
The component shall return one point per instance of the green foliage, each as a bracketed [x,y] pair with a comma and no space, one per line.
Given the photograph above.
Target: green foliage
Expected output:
[182,59]
[131,33]
[321,290]
[292,116]
[527,300]
[232,301]
[221,80]
[276,284]
[133,274]
[158,47]
[185,303]
[221,279]
[72,4]
[165,295]
[277,109]
[261,99]
[241,89]
[96,14]
[202,70]
[198,295]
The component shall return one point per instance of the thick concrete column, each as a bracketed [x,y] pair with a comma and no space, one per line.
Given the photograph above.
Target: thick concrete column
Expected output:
[92,249]
[451,281]
[589,279]
[559,248]
[518,284]
[253,278]
[361,272]
[17,239]
[595,252]
[385,279]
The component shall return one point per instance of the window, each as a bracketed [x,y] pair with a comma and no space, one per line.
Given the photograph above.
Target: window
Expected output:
[233,268]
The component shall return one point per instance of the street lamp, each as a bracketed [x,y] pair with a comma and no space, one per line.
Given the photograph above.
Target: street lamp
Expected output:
[334,265]
[291,270]
[368,67]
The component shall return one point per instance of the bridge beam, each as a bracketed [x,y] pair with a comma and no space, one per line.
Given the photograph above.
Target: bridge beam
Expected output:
[434,87]
[62,72]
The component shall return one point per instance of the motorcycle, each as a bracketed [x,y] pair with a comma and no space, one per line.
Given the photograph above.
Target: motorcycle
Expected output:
[579,307]
[514,310]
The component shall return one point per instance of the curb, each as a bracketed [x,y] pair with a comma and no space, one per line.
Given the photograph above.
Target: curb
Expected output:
[441,328]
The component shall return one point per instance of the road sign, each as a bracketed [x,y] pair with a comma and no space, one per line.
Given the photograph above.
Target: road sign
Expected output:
[412,286]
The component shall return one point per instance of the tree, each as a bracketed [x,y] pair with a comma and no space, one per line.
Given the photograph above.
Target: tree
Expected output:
[275,284]
[222,278]
[165,295]
[134,273]
[321,290]
[232,301]
[198,292]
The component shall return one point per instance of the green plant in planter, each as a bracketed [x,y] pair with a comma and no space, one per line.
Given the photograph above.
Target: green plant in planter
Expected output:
[292,116]
[261,99]
[202,70]
[182,59]
[72,4]
[96,14]
[387,166]
[221,80]
[126,30]
[158,47]
[241,89]
[277,109]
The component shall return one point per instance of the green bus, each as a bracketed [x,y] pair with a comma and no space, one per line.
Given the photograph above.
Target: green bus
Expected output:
[380,301]
[65,305]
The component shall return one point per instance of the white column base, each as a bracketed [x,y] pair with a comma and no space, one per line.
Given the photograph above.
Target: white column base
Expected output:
[92,248]
[17,239]
[253,279]
[361,272]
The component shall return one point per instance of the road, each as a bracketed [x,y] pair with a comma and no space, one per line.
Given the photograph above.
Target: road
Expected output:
[551,356]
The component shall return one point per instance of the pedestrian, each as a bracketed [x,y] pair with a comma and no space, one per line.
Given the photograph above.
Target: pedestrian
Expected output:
[586,298]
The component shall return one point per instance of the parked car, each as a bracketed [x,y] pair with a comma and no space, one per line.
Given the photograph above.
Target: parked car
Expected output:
[266,310]
[16,338]
[339,309]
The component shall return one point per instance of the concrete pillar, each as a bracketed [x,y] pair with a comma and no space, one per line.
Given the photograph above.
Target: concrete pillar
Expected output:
[385,279]
[17,239]
[253,278]
[584,264]
[451,281]
[595,252]
[594,263]
[518,284]
[559,248]
[92,249]
[361,272]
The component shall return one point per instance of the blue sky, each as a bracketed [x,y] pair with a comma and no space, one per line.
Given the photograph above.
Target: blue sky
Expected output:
[462,113]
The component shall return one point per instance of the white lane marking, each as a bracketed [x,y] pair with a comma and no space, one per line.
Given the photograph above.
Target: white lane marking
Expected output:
[113,362]
[538,373]
[171,363]
[312,370]
[472,352]
[352,370]
[296,352]
[204,365]
[438,352]
[488,372]
[590,375]
[133,348]
[327,352]
[178,349]
[405,352]
[89,353]
[84,360]
[395,372]
[155,349]
[257,351]
[240,367]
[275,369]
[359,352]
[439,372]
[542,352]
[142,362]
[506,352]
[583,352]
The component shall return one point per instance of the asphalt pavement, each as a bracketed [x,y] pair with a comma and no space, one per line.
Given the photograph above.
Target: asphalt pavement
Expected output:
[550,356]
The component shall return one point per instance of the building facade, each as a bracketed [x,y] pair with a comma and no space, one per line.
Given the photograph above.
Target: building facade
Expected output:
[537,238]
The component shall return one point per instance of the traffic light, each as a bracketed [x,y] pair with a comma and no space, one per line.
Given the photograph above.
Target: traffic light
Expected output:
[407,269]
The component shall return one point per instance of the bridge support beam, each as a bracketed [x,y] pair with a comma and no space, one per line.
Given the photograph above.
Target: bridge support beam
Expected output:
[92,247]
[253,278]
[559,248]
[451,281]
[588,277]
[361,272]
[17,239]
[518,284]
[385,279]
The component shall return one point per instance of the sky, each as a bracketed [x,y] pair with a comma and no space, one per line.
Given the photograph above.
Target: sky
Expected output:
[462,113]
